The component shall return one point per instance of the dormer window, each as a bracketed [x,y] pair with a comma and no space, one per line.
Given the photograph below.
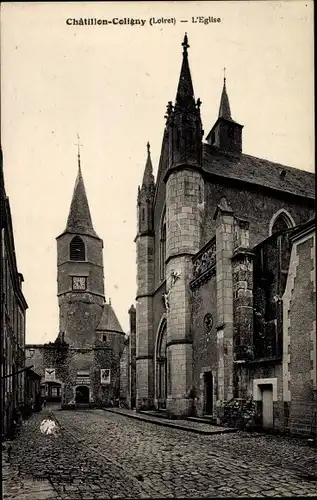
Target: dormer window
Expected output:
[77,249]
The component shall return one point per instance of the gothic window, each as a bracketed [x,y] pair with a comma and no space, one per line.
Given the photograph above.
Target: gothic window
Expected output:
[143,214]
[163,246]
[77,249]
[281,221]
[279,225]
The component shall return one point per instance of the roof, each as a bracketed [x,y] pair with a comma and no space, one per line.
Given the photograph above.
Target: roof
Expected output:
[224,108]
[304,229]
[109,320]
[258,171]
[32,373]
[148,182]
[79,218]
[185,91]
[148,177]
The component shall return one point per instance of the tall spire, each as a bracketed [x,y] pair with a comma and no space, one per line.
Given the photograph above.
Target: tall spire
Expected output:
[79,218]
[183,121]
[224,108]
[148,177]
[146,196]
[185,92]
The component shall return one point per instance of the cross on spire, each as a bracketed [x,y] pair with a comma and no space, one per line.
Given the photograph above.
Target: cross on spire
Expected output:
[224,73]
[78,150]
[148,147]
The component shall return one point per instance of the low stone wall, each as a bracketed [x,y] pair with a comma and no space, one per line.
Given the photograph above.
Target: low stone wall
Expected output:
[301,417]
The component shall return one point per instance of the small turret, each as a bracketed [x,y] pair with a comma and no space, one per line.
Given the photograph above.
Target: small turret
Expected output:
[226,134]
[132,314]
[146,197]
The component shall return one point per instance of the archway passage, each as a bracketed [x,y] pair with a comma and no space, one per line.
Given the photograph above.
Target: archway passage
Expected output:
[82,394]
[161,369]
[52,392]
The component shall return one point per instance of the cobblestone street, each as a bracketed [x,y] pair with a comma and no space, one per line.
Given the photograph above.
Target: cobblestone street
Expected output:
[99,454]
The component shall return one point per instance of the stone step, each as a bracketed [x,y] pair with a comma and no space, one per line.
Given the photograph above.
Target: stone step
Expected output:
[154,413]
[205,419]
[185,424]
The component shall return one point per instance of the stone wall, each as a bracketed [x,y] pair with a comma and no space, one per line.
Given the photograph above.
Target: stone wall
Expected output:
[132,358]
[204,322]
[68,361]
[299,303]
[92,267]
[144,322]
[125,372]
[253,204]
[184,188]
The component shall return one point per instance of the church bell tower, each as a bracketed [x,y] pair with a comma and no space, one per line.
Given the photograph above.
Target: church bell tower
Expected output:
[80,275]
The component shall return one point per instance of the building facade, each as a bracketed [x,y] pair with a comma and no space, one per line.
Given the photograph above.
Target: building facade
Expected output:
[299,334]
[128,364]
[209,318]
[83,364]
[13,314]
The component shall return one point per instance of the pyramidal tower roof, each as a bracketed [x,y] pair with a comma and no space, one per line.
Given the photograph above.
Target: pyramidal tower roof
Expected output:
[224,108]
[109,321]
[185,91]
[148,177]
[79,218]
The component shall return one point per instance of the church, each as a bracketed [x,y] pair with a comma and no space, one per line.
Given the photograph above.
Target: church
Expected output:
[83,364]
[221,235]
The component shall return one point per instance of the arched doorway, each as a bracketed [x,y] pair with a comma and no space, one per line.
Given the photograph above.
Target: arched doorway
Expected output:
[161,368]
[82,394]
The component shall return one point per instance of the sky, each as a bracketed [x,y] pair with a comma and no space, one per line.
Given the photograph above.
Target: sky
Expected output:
[110,84]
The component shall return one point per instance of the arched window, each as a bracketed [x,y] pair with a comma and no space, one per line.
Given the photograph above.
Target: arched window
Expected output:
[163,246]
[281,221]
[77,249]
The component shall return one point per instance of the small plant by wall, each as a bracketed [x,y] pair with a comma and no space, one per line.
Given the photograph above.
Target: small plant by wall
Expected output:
[242,413]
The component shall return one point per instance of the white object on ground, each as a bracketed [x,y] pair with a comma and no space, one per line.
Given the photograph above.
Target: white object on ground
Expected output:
[48,426]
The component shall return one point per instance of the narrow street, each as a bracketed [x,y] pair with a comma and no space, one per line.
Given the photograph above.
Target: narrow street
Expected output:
[99,454]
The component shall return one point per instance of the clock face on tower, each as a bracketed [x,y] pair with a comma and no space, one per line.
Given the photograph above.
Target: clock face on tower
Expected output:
[79,283]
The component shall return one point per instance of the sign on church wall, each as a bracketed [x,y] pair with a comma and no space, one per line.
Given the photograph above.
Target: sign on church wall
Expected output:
[50,374]
[105,376]
[83,377]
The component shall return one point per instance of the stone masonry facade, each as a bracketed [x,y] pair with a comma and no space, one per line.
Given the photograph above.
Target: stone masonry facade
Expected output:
[215,263]
[83,364]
